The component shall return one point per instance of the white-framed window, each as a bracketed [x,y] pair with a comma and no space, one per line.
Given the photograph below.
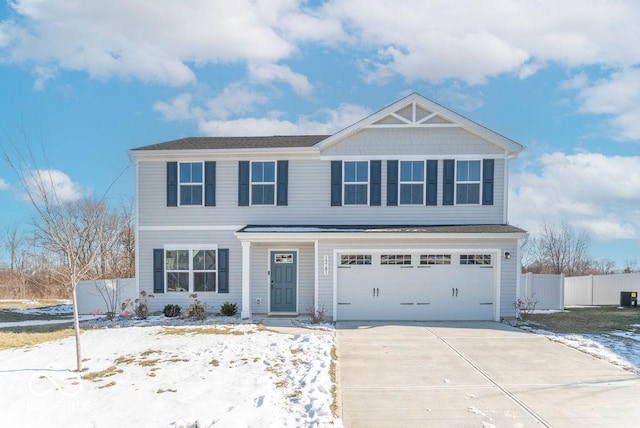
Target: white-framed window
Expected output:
[475,259]
[395,259]
[191,183]
[435,259]
[263,183]
[412,182]
[468,179]
[356,183]
[355,259]
[191,270]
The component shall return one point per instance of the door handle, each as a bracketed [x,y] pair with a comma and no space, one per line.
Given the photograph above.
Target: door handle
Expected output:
[374,291]
[377,292]
[454,291]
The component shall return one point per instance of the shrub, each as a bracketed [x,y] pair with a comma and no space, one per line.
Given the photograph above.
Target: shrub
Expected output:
[228,309]
[317,315]
[197,310]
[171,311]
[140,307]
[525,306]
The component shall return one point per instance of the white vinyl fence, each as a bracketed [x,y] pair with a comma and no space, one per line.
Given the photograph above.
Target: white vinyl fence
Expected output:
[599,289]
[548,290]
[103,295]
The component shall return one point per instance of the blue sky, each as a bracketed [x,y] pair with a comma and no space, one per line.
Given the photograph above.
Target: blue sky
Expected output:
[90,80]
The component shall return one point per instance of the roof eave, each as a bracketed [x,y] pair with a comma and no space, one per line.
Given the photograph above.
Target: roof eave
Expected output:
[139,154]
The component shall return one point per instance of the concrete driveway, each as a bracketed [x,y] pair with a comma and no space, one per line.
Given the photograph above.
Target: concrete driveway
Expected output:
[476,374]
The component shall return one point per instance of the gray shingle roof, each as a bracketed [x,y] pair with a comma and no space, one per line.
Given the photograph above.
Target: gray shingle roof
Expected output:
[220,143]
[463,228]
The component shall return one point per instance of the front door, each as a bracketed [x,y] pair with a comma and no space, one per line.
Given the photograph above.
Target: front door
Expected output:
[283,281]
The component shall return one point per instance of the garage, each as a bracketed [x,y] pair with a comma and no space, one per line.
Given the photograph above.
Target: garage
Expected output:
[416,285]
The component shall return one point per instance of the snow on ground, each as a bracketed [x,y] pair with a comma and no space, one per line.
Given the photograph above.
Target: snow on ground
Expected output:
[618,347]
[181,376]
[63,309]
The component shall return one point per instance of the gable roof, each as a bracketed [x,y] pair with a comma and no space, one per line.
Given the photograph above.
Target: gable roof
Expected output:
[417,111]
[220,143]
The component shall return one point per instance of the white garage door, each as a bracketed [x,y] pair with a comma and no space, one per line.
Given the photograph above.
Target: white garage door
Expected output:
[415,286]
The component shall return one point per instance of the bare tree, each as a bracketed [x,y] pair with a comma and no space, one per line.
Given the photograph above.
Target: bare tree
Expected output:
[75,233]
[560,249]
[630,265]
[13,242]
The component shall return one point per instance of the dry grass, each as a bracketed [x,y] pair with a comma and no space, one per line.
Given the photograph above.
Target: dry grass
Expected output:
[162,391]
[30,304]
[12,339]
[214,329]
[334,381]
[593,320]
[99,376]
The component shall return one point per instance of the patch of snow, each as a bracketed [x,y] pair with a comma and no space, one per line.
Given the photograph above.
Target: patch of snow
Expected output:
[63,309]
[548,311]
[38,322]
[243,376]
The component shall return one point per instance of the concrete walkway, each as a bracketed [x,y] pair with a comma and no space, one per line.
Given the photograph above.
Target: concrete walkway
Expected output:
[475,374]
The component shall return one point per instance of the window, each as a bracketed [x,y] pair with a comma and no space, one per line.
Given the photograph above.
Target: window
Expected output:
[284,258]
[355,259]
[411,182]
[356,182]
[468,182]
[395,259]
[435,259]
[263,183]
[475,259]
[191,270]
[191,183]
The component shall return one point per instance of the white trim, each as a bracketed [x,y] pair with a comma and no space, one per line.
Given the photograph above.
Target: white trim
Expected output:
[478,182]
[413,157]
[190,248]
[297,257]
[245,313]
[413,125]
[312,236]
[410,183]
[231,154]
[315,276]
[186,228]
[505,192]
[171,247]
[518,267]
[335,285]
[498,281]
[137,231]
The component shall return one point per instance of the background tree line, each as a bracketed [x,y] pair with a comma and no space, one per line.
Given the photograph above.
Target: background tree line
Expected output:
[560,249]
[102,241]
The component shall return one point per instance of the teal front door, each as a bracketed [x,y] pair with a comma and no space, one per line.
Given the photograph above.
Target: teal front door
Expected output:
[284,267]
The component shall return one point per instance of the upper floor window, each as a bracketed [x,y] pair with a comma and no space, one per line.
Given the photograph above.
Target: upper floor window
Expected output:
[411,183]
[263,183]
[468,182]
[191,183]
[356,182]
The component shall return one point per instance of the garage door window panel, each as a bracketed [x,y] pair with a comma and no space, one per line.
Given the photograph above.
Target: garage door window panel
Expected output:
[395,259]
[435,259]
[355,259]
[475,259]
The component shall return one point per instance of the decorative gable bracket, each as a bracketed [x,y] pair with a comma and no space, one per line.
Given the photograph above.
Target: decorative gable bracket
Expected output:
[414,115]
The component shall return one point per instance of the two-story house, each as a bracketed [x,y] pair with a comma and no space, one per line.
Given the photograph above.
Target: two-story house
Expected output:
[400,216]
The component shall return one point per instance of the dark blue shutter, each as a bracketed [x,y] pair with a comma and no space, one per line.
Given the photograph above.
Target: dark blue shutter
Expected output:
[283,183]
[209,184]
[243,183]
[432,182]
[375,183]
[448,181]
[223,270]
[172,184]
[158,271]
[392,182]
[487,182]
[336,183]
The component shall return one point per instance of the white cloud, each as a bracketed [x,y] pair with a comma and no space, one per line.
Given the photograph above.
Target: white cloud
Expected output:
[268,72]
[617,97]
[4,185]
[53,184]
[595,192]
[329,121]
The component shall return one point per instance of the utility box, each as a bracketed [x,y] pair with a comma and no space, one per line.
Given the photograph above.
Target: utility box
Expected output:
[629,298]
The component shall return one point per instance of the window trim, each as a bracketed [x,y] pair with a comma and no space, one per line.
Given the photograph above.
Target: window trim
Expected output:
[359,259]
[201,184]
[191,249]
[392,259]
[355,183]
[274,183]
[476,259]
[456,182]
[422,183]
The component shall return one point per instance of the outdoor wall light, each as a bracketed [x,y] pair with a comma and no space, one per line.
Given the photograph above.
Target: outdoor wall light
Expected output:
[507,255]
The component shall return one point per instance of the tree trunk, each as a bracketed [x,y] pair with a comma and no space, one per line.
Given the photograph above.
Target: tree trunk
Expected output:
[76,327]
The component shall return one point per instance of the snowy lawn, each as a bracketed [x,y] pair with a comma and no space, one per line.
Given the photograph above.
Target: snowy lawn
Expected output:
[224,375]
